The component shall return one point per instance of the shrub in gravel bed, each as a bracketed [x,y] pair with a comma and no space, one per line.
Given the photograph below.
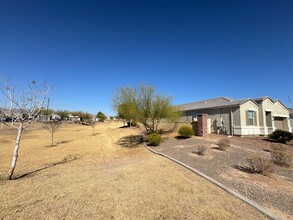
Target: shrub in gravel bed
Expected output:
[200,150]
[223,144]
[154,139]
[260,165]
[280,156]
[185,132]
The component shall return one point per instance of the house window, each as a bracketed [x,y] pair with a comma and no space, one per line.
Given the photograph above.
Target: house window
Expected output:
[251,117]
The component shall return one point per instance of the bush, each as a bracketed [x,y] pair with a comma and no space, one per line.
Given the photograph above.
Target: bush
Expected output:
[185,131]
[280,156]
[260,165]
[281,136]
[223,143]
[134,124]
[200,150]
[154,139]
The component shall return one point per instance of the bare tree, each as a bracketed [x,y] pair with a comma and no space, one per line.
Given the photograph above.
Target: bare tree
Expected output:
[93,125]
[2,118]
[52,127]
[23,107]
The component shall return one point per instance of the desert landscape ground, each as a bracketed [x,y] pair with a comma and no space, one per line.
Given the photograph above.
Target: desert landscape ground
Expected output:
[94,177]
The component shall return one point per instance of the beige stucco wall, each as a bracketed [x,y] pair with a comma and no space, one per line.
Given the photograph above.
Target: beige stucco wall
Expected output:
[214,116]
[245,107]
[236,116]
[277,109]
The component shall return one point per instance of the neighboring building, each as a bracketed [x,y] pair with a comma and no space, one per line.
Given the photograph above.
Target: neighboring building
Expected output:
[259,116]
[13,114]
[73,118]
[55,117]
[41,118]
[291,116]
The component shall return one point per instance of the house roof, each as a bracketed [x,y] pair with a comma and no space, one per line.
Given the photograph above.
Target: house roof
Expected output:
[213,103]
[272,100]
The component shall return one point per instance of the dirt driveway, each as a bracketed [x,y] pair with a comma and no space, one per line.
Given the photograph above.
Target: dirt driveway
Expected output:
[274,192]
[93,177]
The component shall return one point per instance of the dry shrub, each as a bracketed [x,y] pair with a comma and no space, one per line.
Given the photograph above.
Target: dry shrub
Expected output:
[200,150]
[280,156]
[223,143]
[260,165]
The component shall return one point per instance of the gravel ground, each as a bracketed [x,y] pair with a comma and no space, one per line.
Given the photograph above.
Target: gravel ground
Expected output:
[275,191]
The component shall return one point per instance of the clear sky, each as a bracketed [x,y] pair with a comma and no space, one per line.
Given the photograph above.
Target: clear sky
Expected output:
[190,50]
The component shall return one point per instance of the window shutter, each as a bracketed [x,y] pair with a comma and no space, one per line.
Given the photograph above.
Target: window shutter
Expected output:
[247,118]
[254,119]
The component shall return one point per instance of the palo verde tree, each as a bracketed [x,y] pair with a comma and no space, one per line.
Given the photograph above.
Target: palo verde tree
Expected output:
[22,106]
[101,116]
[145,106]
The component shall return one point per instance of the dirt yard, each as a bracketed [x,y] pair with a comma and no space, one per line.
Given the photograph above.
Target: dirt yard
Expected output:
[93,177]
[274,191]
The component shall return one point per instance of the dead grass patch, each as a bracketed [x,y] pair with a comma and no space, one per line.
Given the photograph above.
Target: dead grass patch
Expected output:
[107,181]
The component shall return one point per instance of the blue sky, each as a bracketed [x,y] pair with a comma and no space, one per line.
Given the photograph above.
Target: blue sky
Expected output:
[190,50]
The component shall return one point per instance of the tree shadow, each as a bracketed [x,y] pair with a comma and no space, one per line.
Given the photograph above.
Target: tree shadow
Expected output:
[244,169]
[130,141]
[63,142]
[66,159]
[57,143]
[125,126]
[181,137]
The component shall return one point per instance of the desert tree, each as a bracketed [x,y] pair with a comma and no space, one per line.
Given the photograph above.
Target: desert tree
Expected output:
[23,105]
[145,106]
[52,127]
[101,116]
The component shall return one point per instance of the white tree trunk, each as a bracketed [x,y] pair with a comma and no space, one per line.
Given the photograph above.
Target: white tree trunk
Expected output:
[15,152]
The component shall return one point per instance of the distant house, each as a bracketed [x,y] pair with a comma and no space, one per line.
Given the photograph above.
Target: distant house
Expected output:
[41,117]
[258,116]
[55,117]
[13,114]
[291,116]
[73,118]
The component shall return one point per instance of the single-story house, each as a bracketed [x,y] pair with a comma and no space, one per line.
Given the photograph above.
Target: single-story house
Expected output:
[73,118]
[291,116]
[258,116]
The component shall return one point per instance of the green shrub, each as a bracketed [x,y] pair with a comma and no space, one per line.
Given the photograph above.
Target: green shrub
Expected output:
[134,124]
[154,139]
[281,136]
[260,165]
[185,131]
[280,156]
[223,143]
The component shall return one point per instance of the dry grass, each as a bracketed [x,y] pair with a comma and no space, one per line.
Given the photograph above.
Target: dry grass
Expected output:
[106,181]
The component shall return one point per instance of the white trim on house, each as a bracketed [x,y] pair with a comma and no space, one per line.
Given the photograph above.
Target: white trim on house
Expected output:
[266,130]
[281,116]
[246,130]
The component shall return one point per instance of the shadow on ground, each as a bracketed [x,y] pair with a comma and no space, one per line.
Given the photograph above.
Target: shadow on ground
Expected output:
[243,168]
[66,159]
[181,137]
[130,141]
